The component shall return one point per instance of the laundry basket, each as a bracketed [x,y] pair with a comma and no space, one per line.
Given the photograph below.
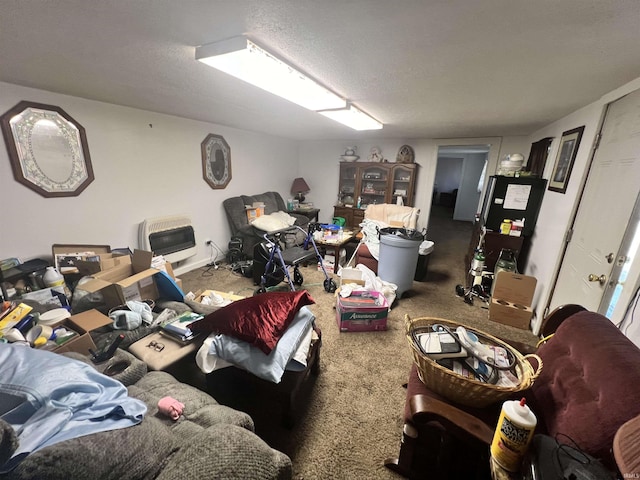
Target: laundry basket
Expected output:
[462,390]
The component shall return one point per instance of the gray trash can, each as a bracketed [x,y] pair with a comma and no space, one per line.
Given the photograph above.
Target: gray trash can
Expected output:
[422,267]
[399,256]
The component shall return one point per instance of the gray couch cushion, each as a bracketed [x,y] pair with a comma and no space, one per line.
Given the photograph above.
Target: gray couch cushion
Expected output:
[134,452]
[227,452]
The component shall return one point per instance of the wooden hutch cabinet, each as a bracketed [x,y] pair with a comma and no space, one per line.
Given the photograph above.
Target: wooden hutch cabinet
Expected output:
[373,183]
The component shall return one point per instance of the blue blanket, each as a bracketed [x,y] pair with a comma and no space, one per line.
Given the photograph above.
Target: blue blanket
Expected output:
[48,398]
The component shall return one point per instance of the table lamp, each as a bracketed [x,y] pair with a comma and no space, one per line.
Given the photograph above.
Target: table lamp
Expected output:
[300,187]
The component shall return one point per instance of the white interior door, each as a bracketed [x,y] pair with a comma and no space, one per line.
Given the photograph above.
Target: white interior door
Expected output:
[605,209]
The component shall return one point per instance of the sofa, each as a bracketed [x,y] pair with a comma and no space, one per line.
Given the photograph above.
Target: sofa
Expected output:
[205,441]
[239,223]
[586,391]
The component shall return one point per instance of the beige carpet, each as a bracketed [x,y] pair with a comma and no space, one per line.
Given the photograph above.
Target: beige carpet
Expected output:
[353,415]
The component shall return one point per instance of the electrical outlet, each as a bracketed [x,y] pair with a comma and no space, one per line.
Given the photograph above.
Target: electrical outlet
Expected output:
[208,242]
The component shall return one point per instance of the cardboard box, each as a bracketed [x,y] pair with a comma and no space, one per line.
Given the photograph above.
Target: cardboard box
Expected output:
[512,298]
[133,281]
[255,211]
[225,295]
[82,324]
[65,256]
[351,275]
[99,262]
[362,312]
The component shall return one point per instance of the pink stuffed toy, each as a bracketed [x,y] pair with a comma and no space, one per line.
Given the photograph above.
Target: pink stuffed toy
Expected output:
[170,407]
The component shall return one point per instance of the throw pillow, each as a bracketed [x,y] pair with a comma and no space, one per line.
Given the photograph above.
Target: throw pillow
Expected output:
[274,221]
[259,320]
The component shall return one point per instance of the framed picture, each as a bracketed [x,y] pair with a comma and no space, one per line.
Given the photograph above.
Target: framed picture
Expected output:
[216,161]
[567,152]
[48,149]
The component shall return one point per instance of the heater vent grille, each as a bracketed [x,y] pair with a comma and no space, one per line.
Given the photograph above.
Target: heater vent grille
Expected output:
[170,236]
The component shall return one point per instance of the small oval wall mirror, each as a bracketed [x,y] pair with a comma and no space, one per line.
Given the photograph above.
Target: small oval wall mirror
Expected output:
[48,149]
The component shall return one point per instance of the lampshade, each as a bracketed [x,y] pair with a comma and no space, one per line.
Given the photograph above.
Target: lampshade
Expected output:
[352,117]
[300,186]
[242,58]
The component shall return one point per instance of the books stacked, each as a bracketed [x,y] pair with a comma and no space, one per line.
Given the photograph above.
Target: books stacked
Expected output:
[177,329]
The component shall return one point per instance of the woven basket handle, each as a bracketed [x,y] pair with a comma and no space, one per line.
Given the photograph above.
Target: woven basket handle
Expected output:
[538,368]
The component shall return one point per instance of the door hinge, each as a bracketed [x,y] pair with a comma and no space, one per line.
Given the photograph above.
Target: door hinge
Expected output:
[568,235]
[597,142]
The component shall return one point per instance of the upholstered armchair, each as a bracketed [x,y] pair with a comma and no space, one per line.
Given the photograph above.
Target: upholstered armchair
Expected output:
[239,223]
[586,391]
[382,216]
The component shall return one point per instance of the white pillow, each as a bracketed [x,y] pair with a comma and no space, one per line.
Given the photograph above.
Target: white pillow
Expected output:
[274,221]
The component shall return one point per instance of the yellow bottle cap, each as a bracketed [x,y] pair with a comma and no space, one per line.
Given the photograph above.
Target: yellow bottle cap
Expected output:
[39,342]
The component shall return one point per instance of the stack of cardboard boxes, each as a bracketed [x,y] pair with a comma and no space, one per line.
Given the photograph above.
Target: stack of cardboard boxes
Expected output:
[118,278]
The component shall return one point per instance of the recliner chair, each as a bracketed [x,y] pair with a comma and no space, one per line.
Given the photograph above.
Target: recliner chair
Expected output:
[585,392]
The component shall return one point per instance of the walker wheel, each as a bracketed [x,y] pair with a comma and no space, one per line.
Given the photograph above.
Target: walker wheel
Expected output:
[298,279]
[460,290]
[259,290]
[330,286]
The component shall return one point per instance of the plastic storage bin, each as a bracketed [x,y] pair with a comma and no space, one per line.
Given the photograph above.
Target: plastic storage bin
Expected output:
[399,256]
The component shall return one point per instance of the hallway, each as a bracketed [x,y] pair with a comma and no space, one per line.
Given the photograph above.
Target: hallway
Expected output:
[451,242]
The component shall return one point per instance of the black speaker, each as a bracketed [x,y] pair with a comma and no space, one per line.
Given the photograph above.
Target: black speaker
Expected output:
[235,253]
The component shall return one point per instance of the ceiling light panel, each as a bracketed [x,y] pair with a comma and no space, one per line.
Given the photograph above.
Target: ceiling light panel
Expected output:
[353,117]
[242,58]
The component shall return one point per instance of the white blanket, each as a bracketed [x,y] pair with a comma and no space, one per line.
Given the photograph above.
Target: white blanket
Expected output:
[274,221]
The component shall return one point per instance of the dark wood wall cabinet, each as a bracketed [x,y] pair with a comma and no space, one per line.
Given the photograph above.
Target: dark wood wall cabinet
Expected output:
[365,183]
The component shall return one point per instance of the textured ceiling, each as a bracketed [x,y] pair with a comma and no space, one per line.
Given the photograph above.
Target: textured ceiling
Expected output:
[425,68]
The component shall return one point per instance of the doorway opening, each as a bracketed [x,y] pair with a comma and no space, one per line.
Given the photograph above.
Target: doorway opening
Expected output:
[459,180]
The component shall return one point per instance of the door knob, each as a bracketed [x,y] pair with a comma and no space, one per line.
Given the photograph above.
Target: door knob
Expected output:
[610,258]
[602,279]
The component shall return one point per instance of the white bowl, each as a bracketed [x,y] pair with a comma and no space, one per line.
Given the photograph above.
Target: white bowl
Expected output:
[350,158]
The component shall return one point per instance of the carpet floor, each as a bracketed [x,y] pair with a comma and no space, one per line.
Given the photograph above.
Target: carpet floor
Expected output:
[352,416]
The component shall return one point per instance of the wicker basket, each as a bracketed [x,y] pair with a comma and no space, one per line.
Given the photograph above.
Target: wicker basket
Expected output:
[462,390]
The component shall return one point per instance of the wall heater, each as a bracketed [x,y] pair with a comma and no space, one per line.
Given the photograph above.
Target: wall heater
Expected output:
[171,236]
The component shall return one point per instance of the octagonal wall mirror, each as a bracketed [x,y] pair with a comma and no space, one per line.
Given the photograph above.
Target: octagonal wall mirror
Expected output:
[216,161]
[48,149]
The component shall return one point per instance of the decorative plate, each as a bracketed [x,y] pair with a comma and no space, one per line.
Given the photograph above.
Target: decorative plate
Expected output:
[405,154]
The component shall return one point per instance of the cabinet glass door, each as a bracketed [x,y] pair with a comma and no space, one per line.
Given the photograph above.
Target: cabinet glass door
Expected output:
[402,185]
[373,186]
[347,190]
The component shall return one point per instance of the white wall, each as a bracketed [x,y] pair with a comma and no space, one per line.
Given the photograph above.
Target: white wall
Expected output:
[145,165]
[448,174]
[468,195]
[557,209]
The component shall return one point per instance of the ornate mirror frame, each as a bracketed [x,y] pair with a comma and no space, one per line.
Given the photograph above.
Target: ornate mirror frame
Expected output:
[216,161]
[48,149]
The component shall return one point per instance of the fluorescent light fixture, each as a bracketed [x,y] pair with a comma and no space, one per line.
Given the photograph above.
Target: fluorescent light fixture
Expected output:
[353,117]
[242,58]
